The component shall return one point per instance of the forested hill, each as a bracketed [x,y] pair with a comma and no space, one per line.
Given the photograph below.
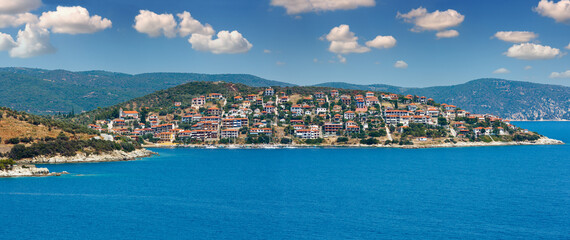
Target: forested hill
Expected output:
[49,91]
[505,98]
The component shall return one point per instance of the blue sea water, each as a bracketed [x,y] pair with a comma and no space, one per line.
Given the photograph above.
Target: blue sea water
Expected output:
[512,192]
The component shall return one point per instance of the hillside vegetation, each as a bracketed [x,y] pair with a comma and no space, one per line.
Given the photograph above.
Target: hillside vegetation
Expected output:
[49,91]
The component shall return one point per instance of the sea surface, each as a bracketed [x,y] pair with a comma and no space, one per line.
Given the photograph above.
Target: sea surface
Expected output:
[510,192]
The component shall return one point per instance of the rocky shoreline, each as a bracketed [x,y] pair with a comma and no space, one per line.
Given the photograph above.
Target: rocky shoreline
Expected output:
[541,141]
[114,156]
[26,170]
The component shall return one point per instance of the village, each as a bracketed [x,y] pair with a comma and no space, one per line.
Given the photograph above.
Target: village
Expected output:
[326,118]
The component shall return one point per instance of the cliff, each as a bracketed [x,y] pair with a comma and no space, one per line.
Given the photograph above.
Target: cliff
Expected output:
[83,157]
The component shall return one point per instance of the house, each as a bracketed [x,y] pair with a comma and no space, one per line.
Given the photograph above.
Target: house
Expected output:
[238,98]
[331,129]
[360,103]
[260,131]
[128,114]
[269,92]
[345,99]
[166,136]
[396,112]
[229,133]
[163,128]
[307,134]
[259,101]
[351,127]
[371,101]
[321,110]
[432,112]
[319,95]
[334,93]
[337,118]
[118,123]
[337,108]
[215,96]
[297,110]
[421,119]
[283,99]
[369,94]
[251,97]
[270,109]
[214,111]
[235,122]
[449,107]
[187,118]
[412,107]
[204,134]
[177,104]
[423,99]
[422,139]
[392,119]
[199,101]
[349,115]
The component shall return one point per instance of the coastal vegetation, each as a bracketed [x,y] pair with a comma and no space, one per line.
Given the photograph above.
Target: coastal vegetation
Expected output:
[68,148]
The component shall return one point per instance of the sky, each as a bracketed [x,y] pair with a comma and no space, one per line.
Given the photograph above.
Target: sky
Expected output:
[408,43]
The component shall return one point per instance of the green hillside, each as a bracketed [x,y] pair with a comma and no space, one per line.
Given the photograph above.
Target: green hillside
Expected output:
[50,91]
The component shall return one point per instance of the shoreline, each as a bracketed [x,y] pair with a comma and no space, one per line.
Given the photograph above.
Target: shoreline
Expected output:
[114,156]
[27,170]
[541,141]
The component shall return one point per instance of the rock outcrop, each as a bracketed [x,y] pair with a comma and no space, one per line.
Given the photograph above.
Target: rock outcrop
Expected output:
[27,170]
[83,157]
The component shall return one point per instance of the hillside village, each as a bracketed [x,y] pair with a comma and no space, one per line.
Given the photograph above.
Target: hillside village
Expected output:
[284,115]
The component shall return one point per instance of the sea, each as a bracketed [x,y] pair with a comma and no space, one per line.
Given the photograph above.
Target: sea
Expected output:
[507,192]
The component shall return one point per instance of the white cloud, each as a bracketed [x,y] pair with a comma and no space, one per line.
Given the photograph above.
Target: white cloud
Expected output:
[155,25]
[344,41]
[266,51]
[18,6]
[501,71]
[434,21]
[531,51]
[341,59]
[302,6]
[189,25]
[559,11]
[400,64]
[447,34]
[6,42]
[516,36]
[32,41]
[560,74]
[14,20]
[568,47]
[279,63]
[382,42]
[73,20]
[226,42]
[527,67]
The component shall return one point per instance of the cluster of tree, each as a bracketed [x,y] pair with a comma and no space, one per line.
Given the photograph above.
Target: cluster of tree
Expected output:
[6,164]
[68,148]
[259,139]
[314,141]
[525,137]
[421,130]
[369,141]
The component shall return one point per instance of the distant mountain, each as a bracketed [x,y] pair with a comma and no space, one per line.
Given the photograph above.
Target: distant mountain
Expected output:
[505,98]
[48,91]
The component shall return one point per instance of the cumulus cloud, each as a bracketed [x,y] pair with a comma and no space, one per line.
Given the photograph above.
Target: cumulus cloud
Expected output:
[32,41]
[400,64]
[560,74]
[568,47]
[301,6]
[189,25]
[434,21]
[532,51]
[155,25]
[267,51]
[559,11]
[18,6]
[6,42]
[226,42]
[527,67]
[501,71]
[341,59]
[382,42]
[447,34]
[516,36]
[73,20]
[344,41]
[14,20]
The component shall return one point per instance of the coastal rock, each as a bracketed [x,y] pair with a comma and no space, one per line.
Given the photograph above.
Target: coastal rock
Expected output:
[28,171]
[83,157]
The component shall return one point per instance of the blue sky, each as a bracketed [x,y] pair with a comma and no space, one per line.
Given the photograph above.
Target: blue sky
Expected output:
[286,41]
